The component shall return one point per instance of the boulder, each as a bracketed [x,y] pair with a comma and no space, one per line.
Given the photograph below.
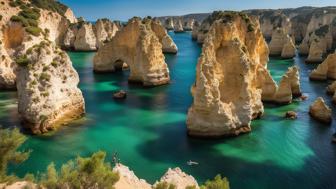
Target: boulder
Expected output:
[227,92]
[326,70]
[320,111]
[291,115]
[138,46]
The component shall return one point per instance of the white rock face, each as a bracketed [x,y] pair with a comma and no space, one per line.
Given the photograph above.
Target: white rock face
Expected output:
[325,70]
[169,24]
[228,88]
[188,25]
[281,44]
[47,89]
[85,38]
[70,16]
[138,46]
[178,26]
[168,45]
[320,111]
[128,180]
[178,178]
[105,31]
[70,37]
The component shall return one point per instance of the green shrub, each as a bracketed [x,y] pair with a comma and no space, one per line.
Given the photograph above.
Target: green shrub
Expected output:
[91,172]
[217,183]
[34,30]
[32,22]
[164,185]
[10,142]
[50,5]
[190,187]
[22,60]
[54,64]
[20,19]
[250,28]
[29,13]
[44,77]
[322,31]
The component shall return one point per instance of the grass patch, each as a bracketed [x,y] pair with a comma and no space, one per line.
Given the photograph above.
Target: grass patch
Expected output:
[22,60]
[34,30]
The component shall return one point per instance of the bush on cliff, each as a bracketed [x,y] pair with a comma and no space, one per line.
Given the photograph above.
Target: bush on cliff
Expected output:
[217,183]
[11,140]
[90,172]
[50,5]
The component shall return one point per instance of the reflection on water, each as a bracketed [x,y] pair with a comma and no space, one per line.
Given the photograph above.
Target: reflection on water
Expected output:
[149,133]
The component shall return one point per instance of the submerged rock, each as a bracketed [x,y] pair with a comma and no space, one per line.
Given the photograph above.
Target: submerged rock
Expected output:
[326,70]
[291,115]
[138,46]
[227,92]
[178,178]
[320,111]
[120,94]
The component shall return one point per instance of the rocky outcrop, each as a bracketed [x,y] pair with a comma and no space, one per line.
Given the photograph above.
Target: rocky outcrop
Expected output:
[325,70]
[178,27]
[195,30]
[47,88]
[188,25]
[85,38]
[270,20]
[70,16]
[281,44]
[179,179]
[320,111]
[331,90]
[138,46]
[289,87]
[128,180]
[105,31]
[168,45]
[226,95]
[19,185]
[169,24]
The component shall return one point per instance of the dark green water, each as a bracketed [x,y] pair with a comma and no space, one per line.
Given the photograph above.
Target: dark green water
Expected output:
[149,133]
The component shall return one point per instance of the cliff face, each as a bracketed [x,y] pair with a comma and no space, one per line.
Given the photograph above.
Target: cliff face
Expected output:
[168,45]
[105,31]
[227,95]
[281,44]
[178,178]
[138,46]
[188,25]
[178,26]
[270,20]
[47,88]
[325,70]
[85,38]
[45,79]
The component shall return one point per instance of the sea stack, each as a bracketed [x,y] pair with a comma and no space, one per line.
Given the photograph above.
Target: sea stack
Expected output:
[168,45]
[138,46]
[85,39]
[169,24]
[178,27]
[325,70]
[320,111]
[226,97]
[281,44]
[188,25]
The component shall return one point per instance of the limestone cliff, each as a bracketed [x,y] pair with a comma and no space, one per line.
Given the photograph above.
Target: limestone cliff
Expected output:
[188,25]
[85,38]
[178,26]
[105,30]
[138,46]
[128,180]
[169,24]
[47,88]
[325,70]
[320,111]
[178,178]
[227,94]
[270,20]
[168,45]
[41,72]
[281,44]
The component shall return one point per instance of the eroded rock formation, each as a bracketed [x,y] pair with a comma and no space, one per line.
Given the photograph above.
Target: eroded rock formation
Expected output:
[85,38]
[320,111]
[281,44]
[168,45]
[138,46]
[178,26]
[128,180]
[105,31]
[226,97]
[47,88]
[188,25]
[325,70]
[169,24]
[331,90]
[179,179]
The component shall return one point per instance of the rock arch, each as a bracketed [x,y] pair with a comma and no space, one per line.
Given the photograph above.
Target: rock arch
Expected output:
[138,46]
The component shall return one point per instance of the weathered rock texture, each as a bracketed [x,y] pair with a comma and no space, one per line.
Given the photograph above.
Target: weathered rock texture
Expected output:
[178,26]
[105,31]
[43,74]
[85,38]
[47,89]
[169,24]
[281,44]
[325,70]
[168,45]
[178,178]
[138,46]
[331,90]
[128,180]
[227,94]
[188,25]
[320,111]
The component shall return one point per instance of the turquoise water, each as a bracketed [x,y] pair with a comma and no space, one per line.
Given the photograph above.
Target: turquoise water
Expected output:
[149,133]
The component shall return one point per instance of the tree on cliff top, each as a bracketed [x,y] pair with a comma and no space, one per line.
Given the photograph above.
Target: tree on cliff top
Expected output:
[10,141]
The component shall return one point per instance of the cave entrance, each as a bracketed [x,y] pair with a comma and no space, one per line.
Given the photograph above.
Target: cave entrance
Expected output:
[121,65]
